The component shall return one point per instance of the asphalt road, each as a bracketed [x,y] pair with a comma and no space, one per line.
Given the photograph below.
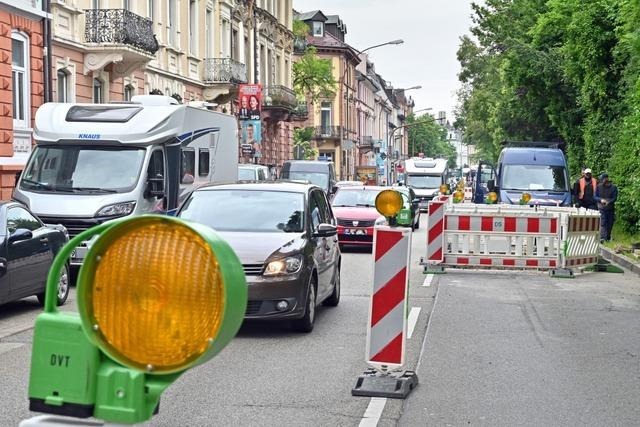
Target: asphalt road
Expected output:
[499,349]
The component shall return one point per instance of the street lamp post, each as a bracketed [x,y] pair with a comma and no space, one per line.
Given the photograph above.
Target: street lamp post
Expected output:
[344,73]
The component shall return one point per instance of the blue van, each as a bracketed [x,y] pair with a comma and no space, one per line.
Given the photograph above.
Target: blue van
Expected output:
[541,172]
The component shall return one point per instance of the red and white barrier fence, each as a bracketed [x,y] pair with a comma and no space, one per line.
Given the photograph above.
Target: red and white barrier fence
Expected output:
[387,327]
[507,236]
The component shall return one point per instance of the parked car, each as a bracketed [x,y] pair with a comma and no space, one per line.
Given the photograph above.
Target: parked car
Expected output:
[320,173]
[247,172]
[27,249]
[285,236]
[356,213]
[411,203]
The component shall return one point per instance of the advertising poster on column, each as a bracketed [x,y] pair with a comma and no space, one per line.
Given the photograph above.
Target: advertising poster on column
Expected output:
[250,102]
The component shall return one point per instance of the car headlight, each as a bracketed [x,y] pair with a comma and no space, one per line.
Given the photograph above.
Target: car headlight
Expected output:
[117,209]
[290,265]
[381,221]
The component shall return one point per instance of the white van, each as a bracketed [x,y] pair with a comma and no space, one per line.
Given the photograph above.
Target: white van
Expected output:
[425,176]
[97,162]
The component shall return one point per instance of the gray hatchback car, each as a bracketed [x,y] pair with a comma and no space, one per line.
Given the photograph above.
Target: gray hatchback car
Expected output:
[286,238]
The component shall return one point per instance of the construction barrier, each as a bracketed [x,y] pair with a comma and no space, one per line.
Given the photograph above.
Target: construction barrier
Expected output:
[387,327]
[508,236]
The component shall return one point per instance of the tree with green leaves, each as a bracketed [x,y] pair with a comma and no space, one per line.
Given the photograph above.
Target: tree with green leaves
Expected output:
[428,137]
[302,145]
[313,76]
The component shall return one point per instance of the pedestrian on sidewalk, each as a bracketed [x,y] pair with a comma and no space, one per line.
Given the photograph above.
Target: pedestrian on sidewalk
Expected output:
[606,195]
[585,191]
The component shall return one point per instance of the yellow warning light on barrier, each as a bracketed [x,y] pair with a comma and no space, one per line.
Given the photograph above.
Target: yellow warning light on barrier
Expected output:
[492,197]
[526,197]
[444,189]
[458,196]
[389,203]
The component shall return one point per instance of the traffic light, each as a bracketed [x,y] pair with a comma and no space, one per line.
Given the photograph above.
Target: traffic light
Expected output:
[156,296]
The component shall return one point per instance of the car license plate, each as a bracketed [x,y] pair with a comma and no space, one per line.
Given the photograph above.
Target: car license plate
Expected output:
[79,254]
[355,231]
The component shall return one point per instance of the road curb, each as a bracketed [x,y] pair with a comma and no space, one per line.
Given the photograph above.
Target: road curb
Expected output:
[621,260]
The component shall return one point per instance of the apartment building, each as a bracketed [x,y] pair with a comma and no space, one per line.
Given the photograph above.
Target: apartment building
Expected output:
[24,85]
[193,50]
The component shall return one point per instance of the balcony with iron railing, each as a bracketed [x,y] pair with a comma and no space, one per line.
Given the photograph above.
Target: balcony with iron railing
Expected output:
[300,45]
[279,97]
[366,142]
[301,112]
[224,70]
[119,27]
[327,132]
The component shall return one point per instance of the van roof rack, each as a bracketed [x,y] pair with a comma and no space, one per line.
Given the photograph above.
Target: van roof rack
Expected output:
[543,144]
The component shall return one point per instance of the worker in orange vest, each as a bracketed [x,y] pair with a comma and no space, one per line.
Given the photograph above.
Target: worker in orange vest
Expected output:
[585,190]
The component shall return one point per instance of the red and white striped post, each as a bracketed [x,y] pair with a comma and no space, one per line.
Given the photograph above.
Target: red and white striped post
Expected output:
[435,236]
[387,327]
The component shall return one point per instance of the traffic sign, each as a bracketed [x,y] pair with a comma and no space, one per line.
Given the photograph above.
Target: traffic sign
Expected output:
[383,156]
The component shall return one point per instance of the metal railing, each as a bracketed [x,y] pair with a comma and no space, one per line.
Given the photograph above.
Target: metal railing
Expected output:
[278,96]
[302,111]
[224,70]
[366,142]
[327,132]
[119,26]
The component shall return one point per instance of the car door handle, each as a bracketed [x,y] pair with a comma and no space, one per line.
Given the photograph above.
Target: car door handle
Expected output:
[44,240]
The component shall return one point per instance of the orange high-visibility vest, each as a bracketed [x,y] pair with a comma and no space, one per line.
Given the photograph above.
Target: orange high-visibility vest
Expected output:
[583,184]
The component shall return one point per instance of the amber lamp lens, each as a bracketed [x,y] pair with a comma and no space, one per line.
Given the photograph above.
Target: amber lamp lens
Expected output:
[526,197]
[389,203]
[157,297]
[492,197]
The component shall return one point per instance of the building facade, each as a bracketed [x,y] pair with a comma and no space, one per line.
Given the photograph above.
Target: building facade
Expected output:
[197,51]
[24,85]
[334,119]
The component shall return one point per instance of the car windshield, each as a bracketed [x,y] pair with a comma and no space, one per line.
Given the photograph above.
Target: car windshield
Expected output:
[424,181]
[362,198]
[534,177]
[246,174]
[246,210]
[81,170]
[317,178]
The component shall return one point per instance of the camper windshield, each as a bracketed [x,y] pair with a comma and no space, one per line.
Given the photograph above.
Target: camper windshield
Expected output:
[83,170]
[424,181]
[534,177]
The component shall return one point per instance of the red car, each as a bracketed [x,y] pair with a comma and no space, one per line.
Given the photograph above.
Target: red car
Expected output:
[355,211]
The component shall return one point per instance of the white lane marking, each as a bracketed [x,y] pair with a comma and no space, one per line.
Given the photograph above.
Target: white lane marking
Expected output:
[428,280]
[413,319]
[374,412]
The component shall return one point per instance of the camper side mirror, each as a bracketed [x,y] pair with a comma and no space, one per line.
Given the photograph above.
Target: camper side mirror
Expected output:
[155,186]
[491,185]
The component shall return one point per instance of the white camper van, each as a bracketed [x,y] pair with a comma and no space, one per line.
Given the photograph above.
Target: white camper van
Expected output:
[97,162]
[425,176]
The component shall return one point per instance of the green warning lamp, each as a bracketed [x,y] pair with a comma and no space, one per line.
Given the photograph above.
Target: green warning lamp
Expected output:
[156,296]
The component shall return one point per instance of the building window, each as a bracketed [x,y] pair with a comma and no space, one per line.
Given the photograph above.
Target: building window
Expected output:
[325,115]
[171,21]
[208,39]
[98,91]
[20,79]
[129,92]
[193,27]
[318,28]
[63,86]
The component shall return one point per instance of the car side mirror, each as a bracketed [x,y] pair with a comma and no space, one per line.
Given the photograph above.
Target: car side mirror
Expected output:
[20,234]
[155,186]
[334,188]
[188,179]
[326,230]
[491,185]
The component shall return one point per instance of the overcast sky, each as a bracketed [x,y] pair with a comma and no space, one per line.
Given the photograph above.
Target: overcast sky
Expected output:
[430,30]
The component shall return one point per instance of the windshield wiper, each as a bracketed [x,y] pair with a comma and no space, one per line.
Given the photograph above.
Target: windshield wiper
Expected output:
[91,190]
[38,184]
[365,205]
[342,206]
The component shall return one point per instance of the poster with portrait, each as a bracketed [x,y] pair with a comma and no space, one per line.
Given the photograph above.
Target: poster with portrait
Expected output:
[250,102]
[251,143]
